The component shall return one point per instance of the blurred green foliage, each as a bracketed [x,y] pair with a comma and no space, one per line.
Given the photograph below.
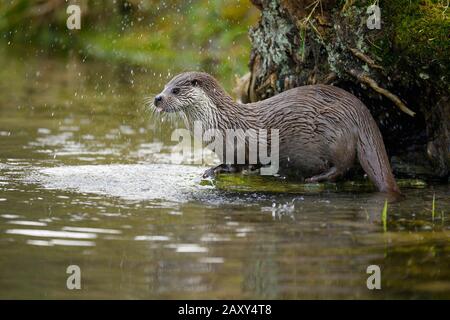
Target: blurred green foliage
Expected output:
[166,36]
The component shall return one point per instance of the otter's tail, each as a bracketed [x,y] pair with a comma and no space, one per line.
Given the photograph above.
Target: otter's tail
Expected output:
[373,157]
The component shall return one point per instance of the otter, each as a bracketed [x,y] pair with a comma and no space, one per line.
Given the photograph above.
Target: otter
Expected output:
[322,128]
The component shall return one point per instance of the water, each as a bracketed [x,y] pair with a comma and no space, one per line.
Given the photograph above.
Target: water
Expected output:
[86,179]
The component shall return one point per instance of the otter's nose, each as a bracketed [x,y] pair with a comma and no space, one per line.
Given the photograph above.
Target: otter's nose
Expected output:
[158,99]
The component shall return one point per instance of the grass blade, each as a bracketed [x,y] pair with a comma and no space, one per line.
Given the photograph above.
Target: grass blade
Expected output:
[384,215]
[433,206]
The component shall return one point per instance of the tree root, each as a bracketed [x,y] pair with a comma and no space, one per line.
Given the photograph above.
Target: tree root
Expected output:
[364,78]
[330,78]
[370,62]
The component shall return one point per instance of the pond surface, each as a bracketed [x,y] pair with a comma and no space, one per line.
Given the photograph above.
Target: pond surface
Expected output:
[86,179]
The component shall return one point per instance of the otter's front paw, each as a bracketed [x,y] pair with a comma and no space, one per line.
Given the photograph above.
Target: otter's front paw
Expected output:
[221,168]
[210,173]
[311,180]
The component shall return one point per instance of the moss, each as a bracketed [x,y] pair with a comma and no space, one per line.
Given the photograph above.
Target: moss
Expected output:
[415,39]
[421,28]
[257,183]
[417,29]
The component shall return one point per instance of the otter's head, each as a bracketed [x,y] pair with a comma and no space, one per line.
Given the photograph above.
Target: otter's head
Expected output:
[190,92]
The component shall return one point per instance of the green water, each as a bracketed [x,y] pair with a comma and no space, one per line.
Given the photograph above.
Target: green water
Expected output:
[86,179]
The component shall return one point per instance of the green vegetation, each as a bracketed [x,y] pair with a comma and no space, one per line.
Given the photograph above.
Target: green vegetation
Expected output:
[433,206]
[384,215]
[421,27]
[417,28]
[418,31]
[258,183]
[165,36]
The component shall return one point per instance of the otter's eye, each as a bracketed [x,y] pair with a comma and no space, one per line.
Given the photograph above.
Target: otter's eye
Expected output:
[175,90]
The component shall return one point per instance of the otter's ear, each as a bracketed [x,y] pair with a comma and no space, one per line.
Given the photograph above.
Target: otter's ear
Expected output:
[195,82]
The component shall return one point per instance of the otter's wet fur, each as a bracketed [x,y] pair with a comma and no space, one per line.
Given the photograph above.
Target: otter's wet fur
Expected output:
[322,128]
